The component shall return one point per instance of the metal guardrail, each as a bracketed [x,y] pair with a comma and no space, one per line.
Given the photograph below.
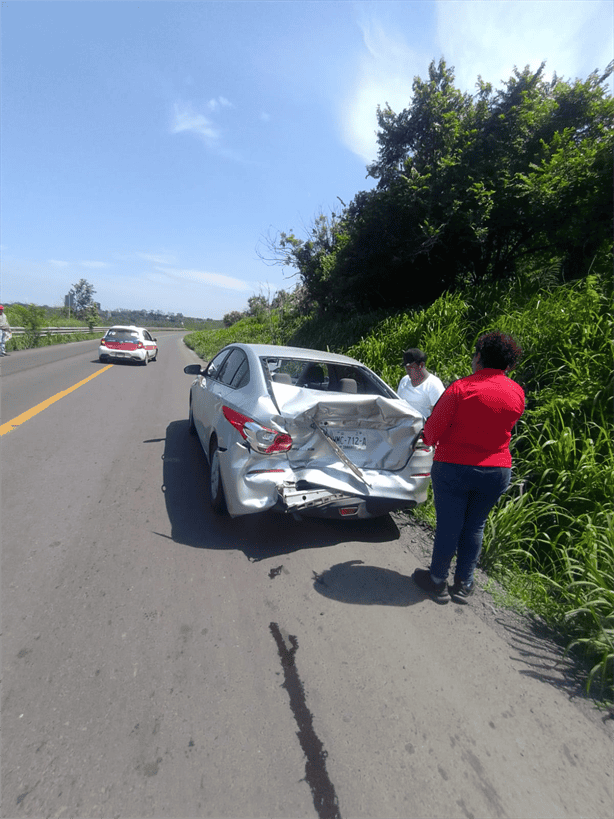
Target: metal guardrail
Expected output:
[65,331]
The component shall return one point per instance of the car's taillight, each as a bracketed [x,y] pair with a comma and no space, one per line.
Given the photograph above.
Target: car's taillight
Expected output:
[139,345]
[263,439]
[103,342]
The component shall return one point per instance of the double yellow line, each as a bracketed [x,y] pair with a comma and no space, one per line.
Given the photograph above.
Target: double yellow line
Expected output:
[25,416]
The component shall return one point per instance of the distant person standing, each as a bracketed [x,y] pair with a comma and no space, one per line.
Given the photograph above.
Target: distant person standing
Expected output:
[420,388]
[471,428]
[5,331]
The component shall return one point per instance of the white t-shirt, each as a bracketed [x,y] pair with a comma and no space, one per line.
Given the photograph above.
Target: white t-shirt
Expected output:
[423,397]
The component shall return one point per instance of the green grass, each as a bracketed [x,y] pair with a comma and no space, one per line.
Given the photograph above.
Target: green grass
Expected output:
[206,343]
[26,342]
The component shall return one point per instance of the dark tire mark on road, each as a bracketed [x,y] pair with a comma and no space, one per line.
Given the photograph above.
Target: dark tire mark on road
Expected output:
[322,789]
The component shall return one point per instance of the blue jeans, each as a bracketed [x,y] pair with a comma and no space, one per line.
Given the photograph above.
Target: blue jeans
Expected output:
[464,495]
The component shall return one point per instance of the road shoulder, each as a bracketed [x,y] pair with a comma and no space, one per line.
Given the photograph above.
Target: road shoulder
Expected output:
[538,649]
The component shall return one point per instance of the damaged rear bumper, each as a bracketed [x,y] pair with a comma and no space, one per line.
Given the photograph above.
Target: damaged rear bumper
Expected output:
[320,493]
[319,502]
[350,456]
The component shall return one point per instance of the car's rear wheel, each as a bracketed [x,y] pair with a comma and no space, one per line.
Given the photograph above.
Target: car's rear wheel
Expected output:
[145,360]
[191,425]
[218,501]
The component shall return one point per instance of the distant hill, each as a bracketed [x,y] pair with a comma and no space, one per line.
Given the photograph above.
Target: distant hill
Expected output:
[142,318]
[156,318]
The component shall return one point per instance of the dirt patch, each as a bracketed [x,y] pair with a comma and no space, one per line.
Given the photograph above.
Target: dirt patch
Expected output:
[538,649]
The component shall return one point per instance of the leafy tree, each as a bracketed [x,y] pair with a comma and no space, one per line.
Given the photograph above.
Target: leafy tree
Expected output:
[257,307]
[90,315]
[33,321]
[232,318]
[311,257]
[469,189]
[83,297]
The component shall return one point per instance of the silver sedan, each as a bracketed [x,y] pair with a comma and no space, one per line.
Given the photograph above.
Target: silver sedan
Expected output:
[305,432]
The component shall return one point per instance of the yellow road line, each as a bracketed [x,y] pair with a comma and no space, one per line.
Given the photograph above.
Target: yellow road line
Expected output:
[25,416]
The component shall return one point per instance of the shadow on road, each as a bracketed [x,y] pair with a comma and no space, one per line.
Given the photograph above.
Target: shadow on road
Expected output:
[259,536]
[540,654]
[354,582]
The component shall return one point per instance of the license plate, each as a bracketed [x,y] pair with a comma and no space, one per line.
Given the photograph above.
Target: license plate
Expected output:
[348,440]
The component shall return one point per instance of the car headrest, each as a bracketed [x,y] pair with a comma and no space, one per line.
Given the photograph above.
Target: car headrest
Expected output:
[348,385]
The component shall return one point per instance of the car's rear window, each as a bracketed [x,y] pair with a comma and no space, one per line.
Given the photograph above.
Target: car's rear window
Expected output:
[325,376]
[122,335]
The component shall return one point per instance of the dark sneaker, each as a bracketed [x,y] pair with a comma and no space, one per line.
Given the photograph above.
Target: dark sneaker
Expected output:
[438,591]
[461,591]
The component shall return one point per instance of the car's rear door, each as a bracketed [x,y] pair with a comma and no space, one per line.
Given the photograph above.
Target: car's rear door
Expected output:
[150,344]
[205,397]
[222,386]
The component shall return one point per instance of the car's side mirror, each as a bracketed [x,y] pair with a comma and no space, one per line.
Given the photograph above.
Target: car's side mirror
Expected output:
[193,369]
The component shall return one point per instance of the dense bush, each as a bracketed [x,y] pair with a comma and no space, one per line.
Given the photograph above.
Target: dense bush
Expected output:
[471,187]
[38,323]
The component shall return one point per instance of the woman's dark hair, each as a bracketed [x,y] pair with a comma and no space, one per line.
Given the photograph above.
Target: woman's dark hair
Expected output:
[498,350]
[414,355]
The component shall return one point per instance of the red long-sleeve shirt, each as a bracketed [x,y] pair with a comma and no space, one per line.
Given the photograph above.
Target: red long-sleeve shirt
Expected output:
[473,420]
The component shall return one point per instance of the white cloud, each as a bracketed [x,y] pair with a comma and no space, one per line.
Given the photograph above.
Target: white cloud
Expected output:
[385,74]
[95,265]
[156,258]
[186,119]
[476,37]
[574,37]
[219,102]
[58,263]
[210,279]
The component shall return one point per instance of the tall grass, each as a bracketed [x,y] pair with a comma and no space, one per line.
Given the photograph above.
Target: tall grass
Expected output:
[206,343]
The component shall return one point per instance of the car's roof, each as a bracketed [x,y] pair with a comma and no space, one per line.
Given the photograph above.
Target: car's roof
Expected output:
[275,351]
[125,327]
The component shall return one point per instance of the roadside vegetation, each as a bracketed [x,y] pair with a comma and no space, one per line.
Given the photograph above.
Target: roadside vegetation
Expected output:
[491,211]
[39,322]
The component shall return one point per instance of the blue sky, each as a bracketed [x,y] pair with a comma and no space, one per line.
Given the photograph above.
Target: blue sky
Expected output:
[150,146]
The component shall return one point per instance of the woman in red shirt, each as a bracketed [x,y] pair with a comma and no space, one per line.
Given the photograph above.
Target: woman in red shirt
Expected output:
[470,426]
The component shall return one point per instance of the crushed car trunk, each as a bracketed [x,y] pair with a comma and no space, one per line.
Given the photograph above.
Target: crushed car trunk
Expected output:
[345,448]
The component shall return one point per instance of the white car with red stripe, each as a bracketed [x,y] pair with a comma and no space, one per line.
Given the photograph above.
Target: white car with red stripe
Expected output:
[129,343]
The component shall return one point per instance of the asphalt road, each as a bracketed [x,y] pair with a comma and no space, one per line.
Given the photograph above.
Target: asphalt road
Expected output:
[160,661]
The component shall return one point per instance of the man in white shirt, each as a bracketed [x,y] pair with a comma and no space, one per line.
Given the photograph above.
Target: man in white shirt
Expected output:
[420,388]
